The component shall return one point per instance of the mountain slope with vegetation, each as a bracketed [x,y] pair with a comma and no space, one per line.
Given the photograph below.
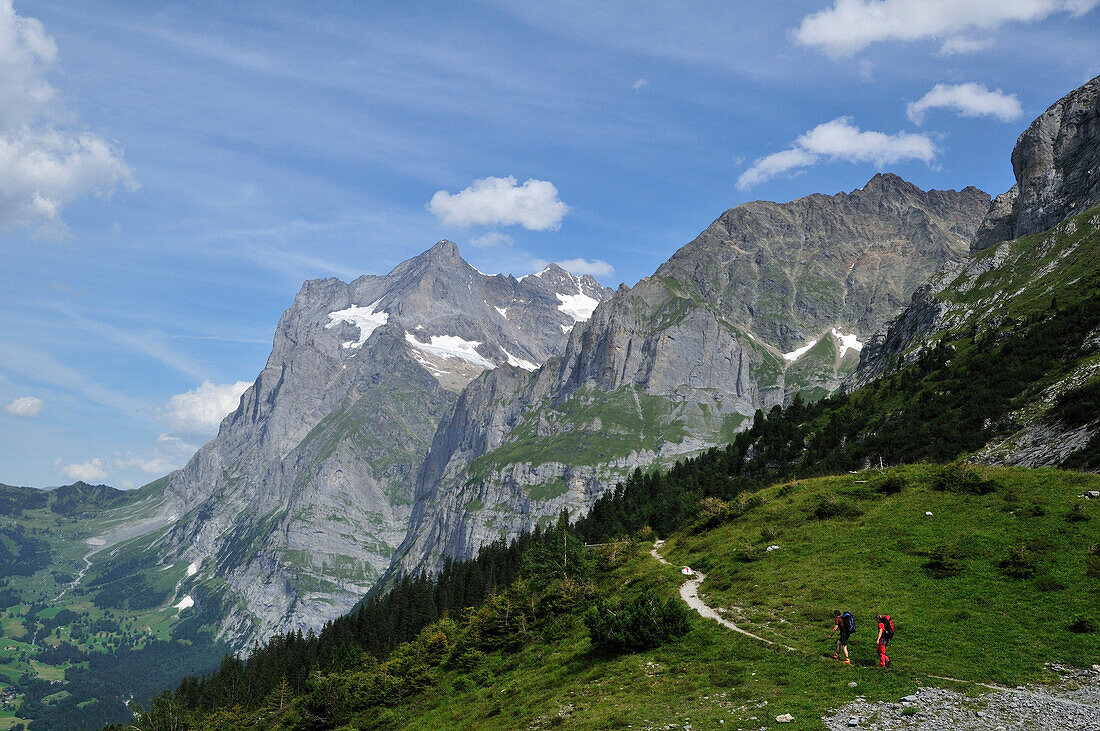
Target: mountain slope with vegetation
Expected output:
[967,596]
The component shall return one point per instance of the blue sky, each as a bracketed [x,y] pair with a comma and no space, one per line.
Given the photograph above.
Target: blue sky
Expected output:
[171,172]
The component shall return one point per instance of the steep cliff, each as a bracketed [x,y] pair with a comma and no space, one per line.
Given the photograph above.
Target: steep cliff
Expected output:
[770,300]
[1056,162]
[1035,252]
[294,509]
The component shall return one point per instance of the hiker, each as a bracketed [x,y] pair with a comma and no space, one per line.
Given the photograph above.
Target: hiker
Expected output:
[885,634]
[846,623]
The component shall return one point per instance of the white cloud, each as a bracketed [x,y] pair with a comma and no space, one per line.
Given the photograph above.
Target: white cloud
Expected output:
[595,267]
[852,25]
[87,471]
[200,412]
[26,407]
[639,85]
[840,140]
[493,238]
[501,202]
[962,45]
[43,166]
[967,100]
[170,453]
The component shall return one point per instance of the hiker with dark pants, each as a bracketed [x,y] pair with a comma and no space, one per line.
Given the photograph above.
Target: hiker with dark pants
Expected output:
[845,623]
[885,634]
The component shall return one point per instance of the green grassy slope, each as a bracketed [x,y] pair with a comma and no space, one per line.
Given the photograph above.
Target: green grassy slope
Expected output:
[999,580]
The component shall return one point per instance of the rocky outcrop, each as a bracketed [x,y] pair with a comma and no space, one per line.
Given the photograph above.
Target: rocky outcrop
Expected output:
[1057,166]
[771,299]
[295,508]
[1056,162]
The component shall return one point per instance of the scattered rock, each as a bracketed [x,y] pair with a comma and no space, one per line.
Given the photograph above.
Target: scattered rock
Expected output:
[1093,494]
[1071,703]
[928,513]
[853,721]
[852,684]
[785,718]
[776,548]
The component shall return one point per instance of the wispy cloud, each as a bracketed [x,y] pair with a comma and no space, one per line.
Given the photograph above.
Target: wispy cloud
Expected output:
[26,407]
[850,26]
[169,453]
[501,202]
[967,100]
[37,366]
[493,238]
[962,45]
[839,141]
[639,85]
[149,343]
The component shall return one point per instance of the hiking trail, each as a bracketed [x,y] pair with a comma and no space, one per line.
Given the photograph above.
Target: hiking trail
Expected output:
[689,592]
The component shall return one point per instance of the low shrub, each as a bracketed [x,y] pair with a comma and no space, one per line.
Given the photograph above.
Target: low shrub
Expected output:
[943,563]
[1020,564]
[889,483]
[830,506]
[641,624]
[1082,626]
[1077,514]
[959,477]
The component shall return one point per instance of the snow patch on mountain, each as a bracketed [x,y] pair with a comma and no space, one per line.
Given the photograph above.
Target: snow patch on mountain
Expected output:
[186,603]
[578,306]
[451,346]
[503,311]
[847,342]
[519,362]
[193,569]
[796,354]
[364,318]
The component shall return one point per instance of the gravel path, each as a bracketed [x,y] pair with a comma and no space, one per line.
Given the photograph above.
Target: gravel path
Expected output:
[1072,703]
[689,592]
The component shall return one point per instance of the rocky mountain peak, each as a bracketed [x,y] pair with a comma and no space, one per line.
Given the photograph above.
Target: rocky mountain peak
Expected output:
[1056,162]
[888,182]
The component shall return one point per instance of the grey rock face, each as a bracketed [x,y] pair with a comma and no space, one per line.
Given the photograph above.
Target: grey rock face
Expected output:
[1056,162]
[295,508]
[771,299]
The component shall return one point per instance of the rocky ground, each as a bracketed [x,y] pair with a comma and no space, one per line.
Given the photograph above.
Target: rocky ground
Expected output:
[1071,703]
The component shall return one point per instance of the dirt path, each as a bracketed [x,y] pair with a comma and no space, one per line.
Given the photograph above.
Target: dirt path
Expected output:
[689,592]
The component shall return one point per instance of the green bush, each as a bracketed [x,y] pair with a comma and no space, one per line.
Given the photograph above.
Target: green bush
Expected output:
[889,483]
[959,477]
[1020,564]
[830,506]
[1078,406]
[641,624]
[943,563]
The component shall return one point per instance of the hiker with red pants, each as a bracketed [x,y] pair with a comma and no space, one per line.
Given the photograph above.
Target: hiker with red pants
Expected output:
[885,634]
[846,623]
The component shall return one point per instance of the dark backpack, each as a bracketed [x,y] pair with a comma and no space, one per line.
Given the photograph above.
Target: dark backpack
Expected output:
[848,622]
[887,628]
